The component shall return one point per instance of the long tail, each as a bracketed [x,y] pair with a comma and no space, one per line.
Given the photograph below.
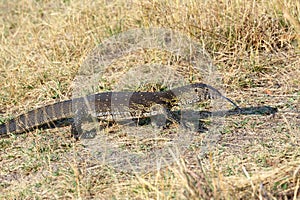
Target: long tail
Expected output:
[34,118]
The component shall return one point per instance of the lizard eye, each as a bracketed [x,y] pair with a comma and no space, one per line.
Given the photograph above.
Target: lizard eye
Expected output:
[196,89]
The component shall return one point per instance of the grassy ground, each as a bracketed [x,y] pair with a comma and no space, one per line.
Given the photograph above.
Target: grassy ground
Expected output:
[254,44]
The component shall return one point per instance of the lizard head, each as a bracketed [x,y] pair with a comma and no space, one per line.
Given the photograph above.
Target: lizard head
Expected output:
[198,92]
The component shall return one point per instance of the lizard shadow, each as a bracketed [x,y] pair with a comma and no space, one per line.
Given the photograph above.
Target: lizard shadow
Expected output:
[202,115]
[178,117]
[183,117]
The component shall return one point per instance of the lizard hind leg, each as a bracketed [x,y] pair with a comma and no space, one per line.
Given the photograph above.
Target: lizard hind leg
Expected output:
[78,132]
[81,119]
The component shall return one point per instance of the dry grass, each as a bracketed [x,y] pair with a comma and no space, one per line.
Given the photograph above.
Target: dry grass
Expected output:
[255,45]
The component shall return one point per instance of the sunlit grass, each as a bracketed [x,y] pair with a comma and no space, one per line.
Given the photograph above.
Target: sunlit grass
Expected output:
[255,46]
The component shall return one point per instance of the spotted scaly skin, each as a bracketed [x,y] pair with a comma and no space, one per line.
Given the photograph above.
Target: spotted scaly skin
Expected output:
[110,105]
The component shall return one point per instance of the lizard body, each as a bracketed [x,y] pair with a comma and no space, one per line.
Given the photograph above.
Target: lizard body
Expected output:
[106,105]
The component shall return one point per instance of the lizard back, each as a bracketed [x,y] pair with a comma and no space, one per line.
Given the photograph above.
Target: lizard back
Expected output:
[109,104]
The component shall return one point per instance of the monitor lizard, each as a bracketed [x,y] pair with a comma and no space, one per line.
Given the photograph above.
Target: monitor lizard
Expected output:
[111,105]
